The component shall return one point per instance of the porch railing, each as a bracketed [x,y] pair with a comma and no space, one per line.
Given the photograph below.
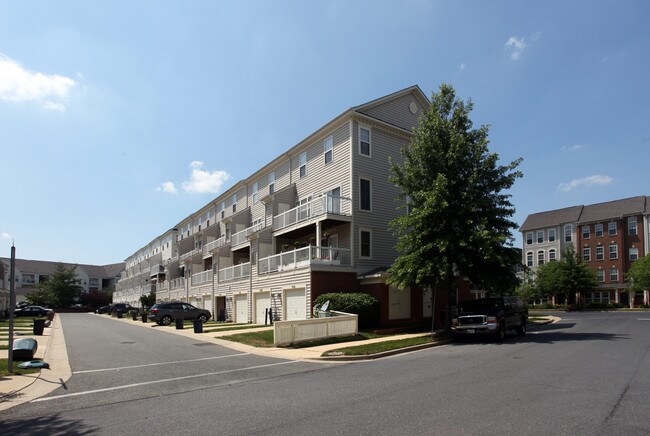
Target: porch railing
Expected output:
[202,277]
[214,245]
[235,272]
[241,237]
[326,204]
[305,256]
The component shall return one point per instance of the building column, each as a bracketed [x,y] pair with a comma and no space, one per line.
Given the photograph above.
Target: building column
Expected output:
[318,237]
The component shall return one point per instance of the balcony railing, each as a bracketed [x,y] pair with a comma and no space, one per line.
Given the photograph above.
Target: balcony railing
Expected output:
[189,254]
[214,245]
[177,283]
[241,237]
[305,256]
[157,269]
[202,277]
[326,204]
[162,286]
[235,272]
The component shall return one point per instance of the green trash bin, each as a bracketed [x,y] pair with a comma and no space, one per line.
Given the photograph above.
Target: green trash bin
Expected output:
[39,326]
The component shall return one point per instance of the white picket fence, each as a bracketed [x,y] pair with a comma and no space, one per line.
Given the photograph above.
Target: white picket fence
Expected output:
[291,332]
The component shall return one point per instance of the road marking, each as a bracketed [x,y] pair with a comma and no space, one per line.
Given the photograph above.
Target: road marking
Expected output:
[157,364]
[643,319]
[133,385]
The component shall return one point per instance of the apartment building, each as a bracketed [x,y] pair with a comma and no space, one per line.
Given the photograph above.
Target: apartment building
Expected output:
[29,273]
[607,237]
[313,220]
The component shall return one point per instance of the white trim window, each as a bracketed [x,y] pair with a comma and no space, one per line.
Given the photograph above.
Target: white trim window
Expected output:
[568,233]
[551,235]
[255,195]
[302,162]
[613,251]
[364,141]
[600,274]
[540,236]
[598,230]
[365,194]
[529,238]
[552,255]
[586,232]
[586,254]
[631,226]
[271,182]
[529,259]
[611,228]
[634,254]
[600,252]
[222,209]
[328,146]
[365,243]
[613,274]
[541,258]
[234,202]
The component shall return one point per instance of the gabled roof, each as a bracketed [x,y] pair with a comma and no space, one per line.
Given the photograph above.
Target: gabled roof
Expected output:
[613,209]
[44,267]
[415,89]
[551,218]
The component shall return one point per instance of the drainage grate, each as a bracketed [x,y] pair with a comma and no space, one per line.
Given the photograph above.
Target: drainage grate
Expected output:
[203,344]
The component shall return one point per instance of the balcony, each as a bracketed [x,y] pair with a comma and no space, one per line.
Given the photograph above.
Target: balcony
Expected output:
[201,278]
[324,205]
[214,245]
[240,238]
[189,254]
[306,256]
[157,269]
[162,286]
[235,272]
[177,283]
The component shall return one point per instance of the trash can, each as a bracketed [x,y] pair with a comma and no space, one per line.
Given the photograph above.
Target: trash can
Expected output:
[134,315]
[50,315]
[24,349]
[179,323]
[198,325]
[118,313]
[324,314]
[144,317]
[39,325]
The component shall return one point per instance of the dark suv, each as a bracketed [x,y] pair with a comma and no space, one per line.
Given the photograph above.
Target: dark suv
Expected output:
[165,313]
[122,307]
[490,316]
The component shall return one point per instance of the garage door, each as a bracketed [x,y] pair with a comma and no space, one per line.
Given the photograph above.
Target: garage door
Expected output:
[241,308]
[399,303]
[262,302]
[295,304]
[207,303]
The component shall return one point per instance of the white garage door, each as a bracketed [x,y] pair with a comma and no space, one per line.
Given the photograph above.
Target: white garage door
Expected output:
[262,302]
[295,304]
[241,308]
[207,303]
[399,303]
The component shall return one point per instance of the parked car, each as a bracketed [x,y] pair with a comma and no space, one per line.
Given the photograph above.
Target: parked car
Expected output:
[33,311]
[104,309]
[165,313]
[122,307]
[490,316]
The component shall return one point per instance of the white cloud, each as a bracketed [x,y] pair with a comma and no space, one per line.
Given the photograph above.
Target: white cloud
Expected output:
[585,182]
[516,45]
[202,181]
[18,84]
[462,67]
[5,235]
[574,147]
[168,187]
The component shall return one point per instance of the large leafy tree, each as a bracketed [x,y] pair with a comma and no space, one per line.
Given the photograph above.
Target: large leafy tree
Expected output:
[638,277]
[458,223]
[568,276]
[63,285]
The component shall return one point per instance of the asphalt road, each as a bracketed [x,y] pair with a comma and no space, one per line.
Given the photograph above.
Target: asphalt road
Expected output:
[587,375]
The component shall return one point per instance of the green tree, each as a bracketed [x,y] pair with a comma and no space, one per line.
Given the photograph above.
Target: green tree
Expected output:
[567,276]
[63,285]
[42,297]
[638,277]
[458,223]
[148,300]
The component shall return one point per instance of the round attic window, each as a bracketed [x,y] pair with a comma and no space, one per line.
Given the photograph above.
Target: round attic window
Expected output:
[413,108]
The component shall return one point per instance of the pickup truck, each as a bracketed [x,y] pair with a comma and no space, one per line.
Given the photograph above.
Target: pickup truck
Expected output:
[492,316]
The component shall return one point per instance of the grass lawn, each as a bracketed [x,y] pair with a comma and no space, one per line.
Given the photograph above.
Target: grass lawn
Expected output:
[17,371]
[380,347]
[233,327]
[265,339]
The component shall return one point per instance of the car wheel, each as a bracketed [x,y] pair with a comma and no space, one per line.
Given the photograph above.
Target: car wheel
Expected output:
[521,330]
[501,332]
[203,318]
[166,320]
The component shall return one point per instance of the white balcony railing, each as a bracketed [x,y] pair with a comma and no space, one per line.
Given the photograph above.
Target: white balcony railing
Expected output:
[211,246]
[305,256]
[157,269]
[201,278]
[241,237]
[235,272]
[189,254]
[162,286]
[326,204]
[177,283]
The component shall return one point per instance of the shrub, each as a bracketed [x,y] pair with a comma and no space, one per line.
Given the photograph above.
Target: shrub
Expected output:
[364,305]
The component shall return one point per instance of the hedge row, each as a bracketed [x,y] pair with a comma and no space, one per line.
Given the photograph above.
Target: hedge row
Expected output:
[364,305]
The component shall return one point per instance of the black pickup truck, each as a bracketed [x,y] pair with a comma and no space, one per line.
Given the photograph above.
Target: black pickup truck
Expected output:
[490,316]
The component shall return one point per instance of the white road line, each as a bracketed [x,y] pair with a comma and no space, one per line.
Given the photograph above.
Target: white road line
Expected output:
[643,319]
[158,364]
[133,385]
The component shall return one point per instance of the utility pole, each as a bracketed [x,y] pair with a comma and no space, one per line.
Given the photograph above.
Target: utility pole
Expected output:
[12,305]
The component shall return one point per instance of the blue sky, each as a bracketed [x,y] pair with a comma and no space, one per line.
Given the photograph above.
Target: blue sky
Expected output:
[118,119]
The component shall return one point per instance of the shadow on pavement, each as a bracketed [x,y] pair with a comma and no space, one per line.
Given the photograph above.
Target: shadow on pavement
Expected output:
[47,424]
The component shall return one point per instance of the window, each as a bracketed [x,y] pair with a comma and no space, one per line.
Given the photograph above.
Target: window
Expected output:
[271,182]
[365,243]
[585,232]
[529,258]
[613,274]
[611,228]
[634,254]
[333,201]
[529,238]
[540,257]
[223,209]
[568,231]
[551,255]
[551,235]
[234,202]
[600,274]
[302,160]
[328,145]
[598,230]
[364,141]
[613,251]
[255,196]
[600,253]
[540,236]
[631,225]
[365,194]
[586,254]
[600,297]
